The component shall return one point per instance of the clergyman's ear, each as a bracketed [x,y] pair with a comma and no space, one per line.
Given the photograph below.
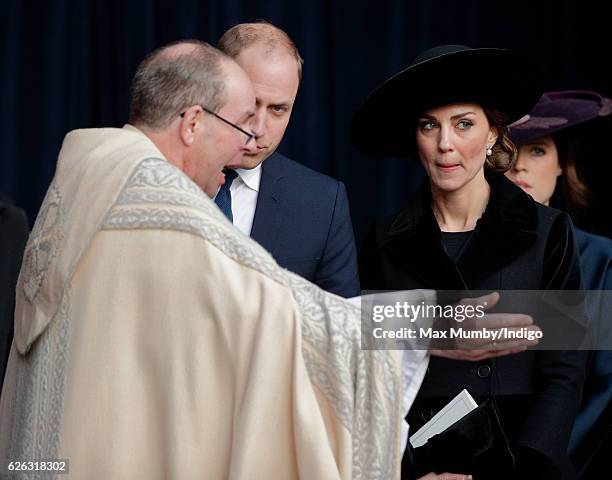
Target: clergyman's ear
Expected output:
[191,121]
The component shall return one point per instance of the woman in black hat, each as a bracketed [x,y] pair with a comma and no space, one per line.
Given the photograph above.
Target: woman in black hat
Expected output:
[470,228]
[547,168]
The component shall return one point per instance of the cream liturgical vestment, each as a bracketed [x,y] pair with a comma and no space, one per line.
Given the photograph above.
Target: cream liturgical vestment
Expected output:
[153,340]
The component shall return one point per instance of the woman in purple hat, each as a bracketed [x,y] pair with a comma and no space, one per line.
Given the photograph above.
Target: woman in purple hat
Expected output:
[548,170]
[470,228]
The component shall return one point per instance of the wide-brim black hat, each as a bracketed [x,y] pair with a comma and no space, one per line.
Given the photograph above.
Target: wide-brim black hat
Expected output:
[384,125]
[556,111]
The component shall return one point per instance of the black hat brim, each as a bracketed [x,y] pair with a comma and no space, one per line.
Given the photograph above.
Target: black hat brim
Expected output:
[384,125]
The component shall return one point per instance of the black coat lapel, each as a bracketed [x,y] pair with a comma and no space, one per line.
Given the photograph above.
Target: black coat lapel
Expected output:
[414,244]
[507,228]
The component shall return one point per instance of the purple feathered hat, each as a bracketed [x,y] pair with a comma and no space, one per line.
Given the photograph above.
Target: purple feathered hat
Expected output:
[559,110]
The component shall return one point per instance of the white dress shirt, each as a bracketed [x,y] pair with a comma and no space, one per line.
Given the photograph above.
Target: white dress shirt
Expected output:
[244,190]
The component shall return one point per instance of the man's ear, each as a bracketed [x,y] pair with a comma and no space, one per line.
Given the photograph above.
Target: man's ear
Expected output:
[191,121]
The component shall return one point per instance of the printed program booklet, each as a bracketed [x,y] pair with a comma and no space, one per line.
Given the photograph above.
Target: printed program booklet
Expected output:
[456,409]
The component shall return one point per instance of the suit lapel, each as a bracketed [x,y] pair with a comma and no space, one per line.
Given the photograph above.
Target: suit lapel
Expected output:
[267,219]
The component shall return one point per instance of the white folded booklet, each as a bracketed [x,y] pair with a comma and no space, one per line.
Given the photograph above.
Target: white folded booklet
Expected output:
[456,409]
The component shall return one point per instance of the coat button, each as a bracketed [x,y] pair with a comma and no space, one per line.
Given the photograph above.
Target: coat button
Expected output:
[426,414]
[483,371]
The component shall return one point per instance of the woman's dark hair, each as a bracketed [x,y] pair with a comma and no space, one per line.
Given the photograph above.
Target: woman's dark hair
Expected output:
[504,152]
[571,193]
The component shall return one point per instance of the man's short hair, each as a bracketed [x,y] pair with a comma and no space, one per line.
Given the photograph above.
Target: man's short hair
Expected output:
[170,80]
[243,35]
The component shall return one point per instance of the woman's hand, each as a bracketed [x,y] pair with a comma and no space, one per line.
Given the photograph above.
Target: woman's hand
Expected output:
[475,355]
[476,350]
[445,476]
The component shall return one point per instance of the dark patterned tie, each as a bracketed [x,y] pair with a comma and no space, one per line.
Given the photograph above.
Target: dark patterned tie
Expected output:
[224,196]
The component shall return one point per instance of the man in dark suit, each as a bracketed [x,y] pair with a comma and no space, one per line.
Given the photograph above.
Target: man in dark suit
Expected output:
[13,236]
[300,216]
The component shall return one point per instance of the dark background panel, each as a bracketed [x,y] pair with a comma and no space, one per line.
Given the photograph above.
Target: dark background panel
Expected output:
[67,64]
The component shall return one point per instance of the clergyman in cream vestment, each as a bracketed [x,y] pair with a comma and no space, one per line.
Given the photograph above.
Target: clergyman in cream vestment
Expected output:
[153,340]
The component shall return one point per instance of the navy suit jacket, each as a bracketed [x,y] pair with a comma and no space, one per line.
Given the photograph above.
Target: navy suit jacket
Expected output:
[594,421]
[302,218]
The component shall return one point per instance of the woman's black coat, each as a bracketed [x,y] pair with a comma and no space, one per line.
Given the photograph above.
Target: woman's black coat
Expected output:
[518,244]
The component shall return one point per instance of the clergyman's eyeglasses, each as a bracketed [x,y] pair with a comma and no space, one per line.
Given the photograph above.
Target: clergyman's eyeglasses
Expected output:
[250,136]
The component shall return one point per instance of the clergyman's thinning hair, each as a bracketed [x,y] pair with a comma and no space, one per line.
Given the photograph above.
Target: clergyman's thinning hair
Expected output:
[175,77]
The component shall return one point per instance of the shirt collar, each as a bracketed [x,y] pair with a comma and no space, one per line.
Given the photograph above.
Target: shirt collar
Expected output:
[251,177]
